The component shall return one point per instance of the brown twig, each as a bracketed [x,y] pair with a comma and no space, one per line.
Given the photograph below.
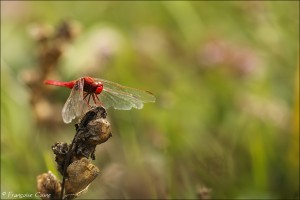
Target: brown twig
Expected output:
[72,160]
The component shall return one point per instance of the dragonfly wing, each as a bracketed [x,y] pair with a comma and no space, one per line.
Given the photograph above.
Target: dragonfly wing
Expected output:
[122,97]
[112,99]
[73,105]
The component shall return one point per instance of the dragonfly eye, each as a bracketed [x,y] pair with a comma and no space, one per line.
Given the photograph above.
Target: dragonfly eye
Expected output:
[99,89]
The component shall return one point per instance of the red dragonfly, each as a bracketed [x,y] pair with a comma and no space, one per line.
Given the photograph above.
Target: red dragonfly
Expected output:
[85,91]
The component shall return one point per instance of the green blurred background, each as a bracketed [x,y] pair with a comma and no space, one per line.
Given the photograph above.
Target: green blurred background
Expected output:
[226,77]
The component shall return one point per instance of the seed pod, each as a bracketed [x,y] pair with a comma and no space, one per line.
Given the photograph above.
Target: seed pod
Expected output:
[48,186]
[80,174]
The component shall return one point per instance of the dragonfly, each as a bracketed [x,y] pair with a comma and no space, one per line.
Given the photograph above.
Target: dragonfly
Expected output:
[87,92]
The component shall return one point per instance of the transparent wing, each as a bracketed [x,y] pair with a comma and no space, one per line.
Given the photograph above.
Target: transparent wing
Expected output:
[74,104]
[123,98]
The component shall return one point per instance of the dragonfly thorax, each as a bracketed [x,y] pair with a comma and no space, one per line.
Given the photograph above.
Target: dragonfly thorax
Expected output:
[92,86]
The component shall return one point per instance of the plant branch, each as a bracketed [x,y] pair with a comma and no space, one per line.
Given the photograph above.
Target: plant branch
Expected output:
[73,160]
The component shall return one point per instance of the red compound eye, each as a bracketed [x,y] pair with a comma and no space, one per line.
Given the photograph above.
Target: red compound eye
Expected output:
[99,89]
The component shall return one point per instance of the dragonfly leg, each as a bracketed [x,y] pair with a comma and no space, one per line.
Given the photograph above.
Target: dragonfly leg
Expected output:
[97,100]
[87,100]
[85,95]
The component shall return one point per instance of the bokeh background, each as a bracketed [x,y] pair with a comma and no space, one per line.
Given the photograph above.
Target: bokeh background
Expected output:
[225,74]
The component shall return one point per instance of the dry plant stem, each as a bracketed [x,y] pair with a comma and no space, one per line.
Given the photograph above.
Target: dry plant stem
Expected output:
[66,163]
[84,141]
[73,160]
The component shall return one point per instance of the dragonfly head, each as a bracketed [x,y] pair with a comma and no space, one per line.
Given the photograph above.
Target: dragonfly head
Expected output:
[99,88]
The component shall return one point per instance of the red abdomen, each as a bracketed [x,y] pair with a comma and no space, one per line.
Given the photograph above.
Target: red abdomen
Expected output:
[60,83]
